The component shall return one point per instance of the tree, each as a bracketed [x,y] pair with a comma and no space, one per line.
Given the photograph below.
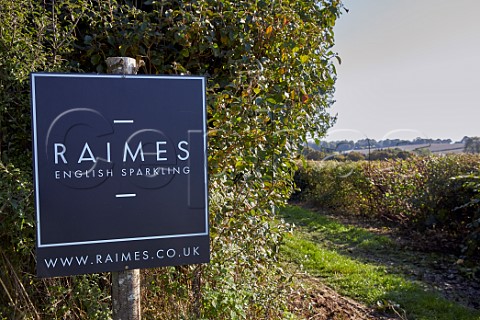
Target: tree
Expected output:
[312,154]
[472,145]
[271,76]
[355,156]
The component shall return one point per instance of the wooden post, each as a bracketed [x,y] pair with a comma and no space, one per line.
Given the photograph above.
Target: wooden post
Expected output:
[125,284]
[126,295]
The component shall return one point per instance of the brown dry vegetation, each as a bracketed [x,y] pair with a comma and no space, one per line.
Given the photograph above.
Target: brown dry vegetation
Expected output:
[316,301]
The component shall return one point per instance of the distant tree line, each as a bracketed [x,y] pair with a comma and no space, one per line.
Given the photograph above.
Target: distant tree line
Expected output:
[385,154]
[349,150]
[347,145]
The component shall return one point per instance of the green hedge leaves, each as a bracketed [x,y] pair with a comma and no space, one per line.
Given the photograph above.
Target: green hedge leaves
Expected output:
[436,194]
[270,72]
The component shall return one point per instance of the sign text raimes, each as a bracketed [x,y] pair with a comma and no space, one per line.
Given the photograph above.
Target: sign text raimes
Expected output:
[120,172]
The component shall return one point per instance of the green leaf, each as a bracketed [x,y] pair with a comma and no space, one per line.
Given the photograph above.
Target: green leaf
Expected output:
[185,53]
[95,59]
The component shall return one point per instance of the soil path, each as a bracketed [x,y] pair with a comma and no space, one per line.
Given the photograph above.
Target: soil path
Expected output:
[320,302]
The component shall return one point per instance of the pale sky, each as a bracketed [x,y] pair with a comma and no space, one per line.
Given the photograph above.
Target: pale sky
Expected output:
[410,68]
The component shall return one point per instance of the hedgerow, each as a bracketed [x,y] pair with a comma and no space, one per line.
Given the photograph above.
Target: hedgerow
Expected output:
[270,73]
[425,193]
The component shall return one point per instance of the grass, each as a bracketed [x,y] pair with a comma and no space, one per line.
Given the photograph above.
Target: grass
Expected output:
[321,245]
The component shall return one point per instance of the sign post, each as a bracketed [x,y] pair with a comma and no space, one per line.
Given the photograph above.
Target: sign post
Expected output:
[120,170]
[126,289]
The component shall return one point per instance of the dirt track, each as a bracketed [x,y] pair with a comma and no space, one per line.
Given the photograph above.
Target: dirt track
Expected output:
[320,302]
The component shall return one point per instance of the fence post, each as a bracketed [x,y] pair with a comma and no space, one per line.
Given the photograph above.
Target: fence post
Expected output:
[125,284]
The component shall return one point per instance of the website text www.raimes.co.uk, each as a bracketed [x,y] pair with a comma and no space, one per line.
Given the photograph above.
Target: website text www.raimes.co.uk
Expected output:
[121,257]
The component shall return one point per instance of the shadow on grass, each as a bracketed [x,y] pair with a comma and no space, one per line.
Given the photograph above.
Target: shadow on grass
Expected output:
[344,236]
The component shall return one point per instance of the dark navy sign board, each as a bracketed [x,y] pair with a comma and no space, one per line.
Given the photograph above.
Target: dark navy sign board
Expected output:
[120,172]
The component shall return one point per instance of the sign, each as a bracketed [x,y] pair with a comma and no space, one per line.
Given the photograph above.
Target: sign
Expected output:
[120,172]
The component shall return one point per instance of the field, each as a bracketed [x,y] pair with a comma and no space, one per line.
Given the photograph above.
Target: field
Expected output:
[401,237]
[353,268]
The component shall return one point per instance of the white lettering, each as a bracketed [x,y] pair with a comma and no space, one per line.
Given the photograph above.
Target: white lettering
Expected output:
[108,258]
[159,151]
[187,154]
[82,260]
[195,251]
[171,253]
[50,263]
[127,150]
[60,152]
[66,261]
[129,153]
[86,148]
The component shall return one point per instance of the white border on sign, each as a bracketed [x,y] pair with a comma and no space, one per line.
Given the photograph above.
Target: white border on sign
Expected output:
[35,151]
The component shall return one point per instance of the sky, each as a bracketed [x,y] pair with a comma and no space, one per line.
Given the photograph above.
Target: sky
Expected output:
[410,68]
